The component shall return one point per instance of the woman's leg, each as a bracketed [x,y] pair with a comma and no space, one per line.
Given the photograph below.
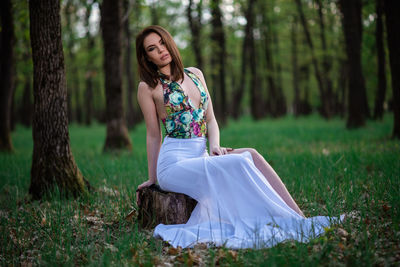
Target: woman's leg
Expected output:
[271,176]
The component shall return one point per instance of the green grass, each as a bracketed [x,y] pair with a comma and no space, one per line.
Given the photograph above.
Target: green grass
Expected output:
[329,171]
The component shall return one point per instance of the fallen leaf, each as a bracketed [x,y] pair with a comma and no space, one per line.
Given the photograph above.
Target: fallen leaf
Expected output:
[173,251]
[341,232]
[111,247]
[233,254]
[131,215]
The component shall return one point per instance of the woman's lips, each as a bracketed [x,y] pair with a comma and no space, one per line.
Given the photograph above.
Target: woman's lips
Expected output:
[164,57]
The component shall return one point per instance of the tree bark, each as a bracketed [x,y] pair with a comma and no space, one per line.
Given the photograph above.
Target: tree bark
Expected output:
[218,62]
[392,8]
[25,112]
[117,132]
[157,206]
[380,47]
[270,101]
[74,85]
[326,61]
[90,69]
[128,69]
[295,67]
[325,108]
[241,87]
[7,39]
[343,85]
[280,100]
[255,92]
[52,162]
[352,26]
[195,28]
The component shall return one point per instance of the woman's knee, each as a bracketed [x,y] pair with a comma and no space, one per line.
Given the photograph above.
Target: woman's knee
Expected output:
[254,153]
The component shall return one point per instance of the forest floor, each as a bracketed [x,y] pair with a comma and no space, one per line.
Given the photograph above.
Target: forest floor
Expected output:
[329,171]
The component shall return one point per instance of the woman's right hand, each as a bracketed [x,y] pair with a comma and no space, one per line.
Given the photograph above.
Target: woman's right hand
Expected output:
[143,185]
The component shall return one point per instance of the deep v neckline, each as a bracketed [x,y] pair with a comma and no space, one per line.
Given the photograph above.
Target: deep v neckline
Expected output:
[189,100]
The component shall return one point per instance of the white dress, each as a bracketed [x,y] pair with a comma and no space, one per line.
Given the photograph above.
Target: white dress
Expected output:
[237,207]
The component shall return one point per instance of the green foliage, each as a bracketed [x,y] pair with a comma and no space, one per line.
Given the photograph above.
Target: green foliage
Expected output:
[328,169]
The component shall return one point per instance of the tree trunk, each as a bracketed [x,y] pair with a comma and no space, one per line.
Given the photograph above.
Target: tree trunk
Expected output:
[280,100]
[218,62]
[117,132]
[326,61]
[270,103]
[381,92]
[295,68]
[352,26]
[128,69]
[25,112]
[241,87]
[7,40]
[325,108]
[255,92]
[392,8]
[52,160]
[343,85]
[154,12]
[74,85]
[195,28]
[90,69]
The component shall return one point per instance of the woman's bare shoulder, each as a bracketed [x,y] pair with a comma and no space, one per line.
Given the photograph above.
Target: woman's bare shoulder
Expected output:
[144,87]
[196,71]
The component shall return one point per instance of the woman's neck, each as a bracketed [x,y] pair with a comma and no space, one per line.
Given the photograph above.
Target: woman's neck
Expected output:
[166,70]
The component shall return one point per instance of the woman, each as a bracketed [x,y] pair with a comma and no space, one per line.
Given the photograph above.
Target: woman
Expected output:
[241,200]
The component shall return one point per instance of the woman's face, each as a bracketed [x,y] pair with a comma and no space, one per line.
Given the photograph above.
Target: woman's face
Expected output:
[156,50]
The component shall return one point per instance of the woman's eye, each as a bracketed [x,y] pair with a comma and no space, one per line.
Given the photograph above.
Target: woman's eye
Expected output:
[151,49]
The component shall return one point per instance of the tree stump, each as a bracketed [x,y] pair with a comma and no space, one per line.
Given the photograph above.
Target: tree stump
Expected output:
[158,206]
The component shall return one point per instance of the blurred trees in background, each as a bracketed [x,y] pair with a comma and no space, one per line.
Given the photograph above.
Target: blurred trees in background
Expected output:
[7,40]
[111,25]
[265,58]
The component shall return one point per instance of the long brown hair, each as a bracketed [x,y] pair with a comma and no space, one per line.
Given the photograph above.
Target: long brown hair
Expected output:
[148,71]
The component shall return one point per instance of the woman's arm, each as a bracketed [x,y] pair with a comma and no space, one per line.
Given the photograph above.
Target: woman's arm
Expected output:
[212,125]
[153,131]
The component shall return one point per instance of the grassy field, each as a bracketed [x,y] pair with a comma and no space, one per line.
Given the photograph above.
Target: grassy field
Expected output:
[329,171]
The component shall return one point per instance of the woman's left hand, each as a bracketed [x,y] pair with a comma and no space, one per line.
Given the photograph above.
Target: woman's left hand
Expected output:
[219,150]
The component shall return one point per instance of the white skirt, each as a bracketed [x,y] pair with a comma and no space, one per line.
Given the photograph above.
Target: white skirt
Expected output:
[237,207]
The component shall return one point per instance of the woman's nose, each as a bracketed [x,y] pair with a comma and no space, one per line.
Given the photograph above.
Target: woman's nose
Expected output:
[161,49]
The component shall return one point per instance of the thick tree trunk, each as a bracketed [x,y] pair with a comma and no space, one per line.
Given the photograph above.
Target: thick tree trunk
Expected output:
[381,90]
[7,40]
[218,62]
[352,25]
[90,69]
[325,108]
[117,132]
[52,160]
[195,28]
[392,8]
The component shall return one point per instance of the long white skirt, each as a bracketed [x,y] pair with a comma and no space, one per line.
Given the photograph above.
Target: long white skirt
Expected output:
[237,207]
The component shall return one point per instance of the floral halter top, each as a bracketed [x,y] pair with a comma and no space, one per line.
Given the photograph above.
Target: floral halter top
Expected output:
[183,119]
